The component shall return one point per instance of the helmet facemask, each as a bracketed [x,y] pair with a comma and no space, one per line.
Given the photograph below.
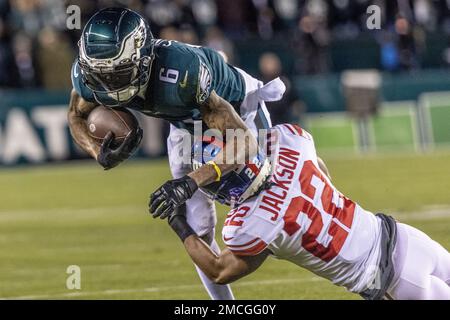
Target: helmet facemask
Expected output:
[117,84]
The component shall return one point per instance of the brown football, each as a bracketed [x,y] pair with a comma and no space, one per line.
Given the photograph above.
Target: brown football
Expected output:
[120,121]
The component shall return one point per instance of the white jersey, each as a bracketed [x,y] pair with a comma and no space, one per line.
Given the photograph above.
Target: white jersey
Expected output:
[304,219]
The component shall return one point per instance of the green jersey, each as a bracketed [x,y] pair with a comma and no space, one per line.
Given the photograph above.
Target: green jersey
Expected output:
[182,78]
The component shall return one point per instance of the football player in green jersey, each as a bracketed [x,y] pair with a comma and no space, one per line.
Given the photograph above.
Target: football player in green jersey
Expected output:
[121,64]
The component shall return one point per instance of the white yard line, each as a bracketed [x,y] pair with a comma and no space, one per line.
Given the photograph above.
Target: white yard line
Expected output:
[429,213]
[81,294]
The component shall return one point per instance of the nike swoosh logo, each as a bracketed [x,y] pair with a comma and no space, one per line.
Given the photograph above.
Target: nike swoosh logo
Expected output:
[227,239]
[183,83]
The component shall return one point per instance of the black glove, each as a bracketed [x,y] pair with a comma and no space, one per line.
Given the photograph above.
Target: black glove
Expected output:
[109,158]
[171,195]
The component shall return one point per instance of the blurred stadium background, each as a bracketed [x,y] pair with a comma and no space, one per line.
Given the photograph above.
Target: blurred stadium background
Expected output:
[376,101]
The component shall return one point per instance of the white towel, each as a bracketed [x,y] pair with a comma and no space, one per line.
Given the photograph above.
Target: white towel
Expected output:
[272,90]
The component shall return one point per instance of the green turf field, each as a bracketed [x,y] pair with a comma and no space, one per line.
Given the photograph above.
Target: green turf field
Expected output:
[53,217]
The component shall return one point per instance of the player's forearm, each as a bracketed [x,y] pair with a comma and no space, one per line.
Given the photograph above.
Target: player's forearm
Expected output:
[218,268]
[241,145]
[207,174]
[223,164]
[202,255]
[78,111]
[80,136]
[221,269]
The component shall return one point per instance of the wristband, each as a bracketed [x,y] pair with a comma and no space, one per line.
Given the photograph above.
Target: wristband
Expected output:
[218,171]
[191,184]
[179,224]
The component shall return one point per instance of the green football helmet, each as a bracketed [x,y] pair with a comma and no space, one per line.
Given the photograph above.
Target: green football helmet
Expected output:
[116,54]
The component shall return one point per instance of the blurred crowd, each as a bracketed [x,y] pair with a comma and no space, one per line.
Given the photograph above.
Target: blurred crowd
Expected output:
[36,46]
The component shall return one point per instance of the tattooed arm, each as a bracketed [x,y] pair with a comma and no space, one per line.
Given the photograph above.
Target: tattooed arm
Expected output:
[219,114]
[225,267]
[79,110]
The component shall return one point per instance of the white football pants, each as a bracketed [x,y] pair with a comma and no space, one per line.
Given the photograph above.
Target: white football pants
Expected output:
[422,267]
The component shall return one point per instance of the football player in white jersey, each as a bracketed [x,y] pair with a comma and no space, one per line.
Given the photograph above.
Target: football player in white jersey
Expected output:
[287,207]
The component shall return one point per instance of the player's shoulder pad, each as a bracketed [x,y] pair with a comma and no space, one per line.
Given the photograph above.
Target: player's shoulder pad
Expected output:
[248,231]
[174,54]
[194,76]
[77,83]
[293,129]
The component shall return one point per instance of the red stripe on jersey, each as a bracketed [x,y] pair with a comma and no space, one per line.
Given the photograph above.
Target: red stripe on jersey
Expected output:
[292,128]
[289,128]
[242,245]
[298,129]
[253,251]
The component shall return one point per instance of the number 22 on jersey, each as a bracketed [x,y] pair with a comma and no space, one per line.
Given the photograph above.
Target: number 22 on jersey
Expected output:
[324,202]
